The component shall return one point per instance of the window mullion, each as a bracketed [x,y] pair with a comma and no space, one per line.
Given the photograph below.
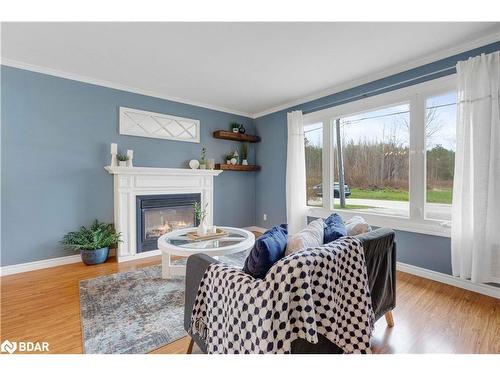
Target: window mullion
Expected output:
[417,157]
[327,162]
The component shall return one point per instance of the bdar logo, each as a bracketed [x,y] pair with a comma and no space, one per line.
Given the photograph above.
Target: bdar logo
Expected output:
[9,347]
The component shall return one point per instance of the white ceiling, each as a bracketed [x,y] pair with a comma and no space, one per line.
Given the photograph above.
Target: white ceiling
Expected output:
[245,67]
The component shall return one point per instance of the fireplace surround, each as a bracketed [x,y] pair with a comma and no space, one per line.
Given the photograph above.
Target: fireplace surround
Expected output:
[134,182]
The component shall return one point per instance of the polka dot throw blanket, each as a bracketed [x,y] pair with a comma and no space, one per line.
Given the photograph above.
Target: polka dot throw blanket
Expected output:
[322,290]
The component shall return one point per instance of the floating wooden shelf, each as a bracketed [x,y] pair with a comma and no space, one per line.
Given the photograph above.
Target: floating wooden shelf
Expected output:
[223,134]
[237,167]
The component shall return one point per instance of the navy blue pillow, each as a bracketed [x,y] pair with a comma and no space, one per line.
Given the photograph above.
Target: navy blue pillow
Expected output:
[268,249]
[334,228]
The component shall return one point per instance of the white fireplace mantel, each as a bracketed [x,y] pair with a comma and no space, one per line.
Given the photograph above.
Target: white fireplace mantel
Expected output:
[134,181]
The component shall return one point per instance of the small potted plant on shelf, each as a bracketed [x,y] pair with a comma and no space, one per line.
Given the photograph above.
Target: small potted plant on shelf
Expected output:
[235,127]
[203,160]
[244,154]
[93,243]
[122,160]
[201,214]
[228,158]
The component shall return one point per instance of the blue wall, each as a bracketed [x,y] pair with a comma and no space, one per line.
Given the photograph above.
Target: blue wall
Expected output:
[271,155]
[55,143]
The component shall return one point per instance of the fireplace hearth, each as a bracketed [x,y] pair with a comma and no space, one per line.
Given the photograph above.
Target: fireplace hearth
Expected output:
[160,214]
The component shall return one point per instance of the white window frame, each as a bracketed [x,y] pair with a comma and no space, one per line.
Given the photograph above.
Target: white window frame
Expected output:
[416,96]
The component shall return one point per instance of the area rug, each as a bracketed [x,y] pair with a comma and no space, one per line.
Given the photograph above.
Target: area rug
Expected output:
[135,311]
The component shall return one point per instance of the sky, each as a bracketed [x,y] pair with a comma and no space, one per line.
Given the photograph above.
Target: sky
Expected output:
[370,125]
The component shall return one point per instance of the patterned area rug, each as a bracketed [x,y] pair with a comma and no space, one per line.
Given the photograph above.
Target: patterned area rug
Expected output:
[135,311]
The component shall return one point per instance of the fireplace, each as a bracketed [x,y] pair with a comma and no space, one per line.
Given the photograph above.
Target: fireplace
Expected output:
[160,214]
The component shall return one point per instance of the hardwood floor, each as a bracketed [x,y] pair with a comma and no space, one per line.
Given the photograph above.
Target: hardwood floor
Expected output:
[430,317]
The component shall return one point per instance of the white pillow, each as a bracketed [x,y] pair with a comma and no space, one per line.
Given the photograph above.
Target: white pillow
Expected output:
[357,225]
[311,236]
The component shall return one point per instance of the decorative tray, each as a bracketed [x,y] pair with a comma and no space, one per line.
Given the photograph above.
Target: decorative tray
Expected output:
[193,236]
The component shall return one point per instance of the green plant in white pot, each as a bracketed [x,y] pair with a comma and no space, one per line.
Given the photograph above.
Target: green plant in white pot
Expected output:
[122,160]
[201,214]
[93,243]
[235,127]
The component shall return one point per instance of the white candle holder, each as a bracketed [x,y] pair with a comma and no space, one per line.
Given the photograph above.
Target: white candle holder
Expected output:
[114,151]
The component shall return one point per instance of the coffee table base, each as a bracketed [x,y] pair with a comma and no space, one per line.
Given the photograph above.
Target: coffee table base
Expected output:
[169,270]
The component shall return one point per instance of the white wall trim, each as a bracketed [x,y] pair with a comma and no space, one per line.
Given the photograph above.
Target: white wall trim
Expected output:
[116,86]
[39,264]
[479,42]
[487,290]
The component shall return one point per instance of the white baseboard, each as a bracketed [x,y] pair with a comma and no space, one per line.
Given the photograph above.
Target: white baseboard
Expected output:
[44,263]
[487,290]
[39,264]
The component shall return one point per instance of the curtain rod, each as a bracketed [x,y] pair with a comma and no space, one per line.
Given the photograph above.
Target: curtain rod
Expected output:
[449,70]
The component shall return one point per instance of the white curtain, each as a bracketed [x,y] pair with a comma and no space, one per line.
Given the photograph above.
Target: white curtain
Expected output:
[296,213]
[475,232]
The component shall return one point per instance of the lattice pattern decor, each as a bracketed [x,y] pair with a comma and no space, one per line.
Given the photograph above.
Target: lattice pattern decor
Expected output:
[158,125]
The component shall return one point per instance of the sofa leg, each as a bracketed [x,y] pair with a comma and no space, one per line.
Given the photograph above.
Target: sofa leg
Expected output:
[389,319]
[190,346]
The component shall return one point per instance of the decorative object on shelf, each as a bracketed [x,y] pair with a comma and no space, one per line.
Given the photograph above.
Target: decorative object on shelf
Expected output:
[194,164]
[235,127]
[234,161]
[94,242]
[228,158]
[158,125]
[114,151]
[203,160]
[130,154]
[244,153]
[242,129]
[200,214]
[210,164]
[122,160]
[236,156]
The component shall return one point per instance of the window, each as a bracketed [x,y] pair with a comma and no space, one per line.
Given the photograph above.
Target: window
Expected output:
[314,154]
[375,151]
[440,144]
[397,151]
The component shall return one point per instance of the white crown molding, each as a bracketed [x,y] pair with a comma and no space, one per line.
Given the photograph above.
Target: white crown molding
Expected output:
[464,47]
[485,289]
[476,43]
[116,86]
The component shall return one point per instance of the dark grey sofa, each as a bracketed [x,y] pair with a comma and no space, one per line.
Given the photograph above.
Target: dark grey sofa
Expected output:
[380,255]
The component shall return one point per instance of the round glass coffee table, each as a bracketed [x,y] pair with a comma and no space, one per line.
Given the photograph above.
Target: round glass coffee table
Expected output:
[177,243]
